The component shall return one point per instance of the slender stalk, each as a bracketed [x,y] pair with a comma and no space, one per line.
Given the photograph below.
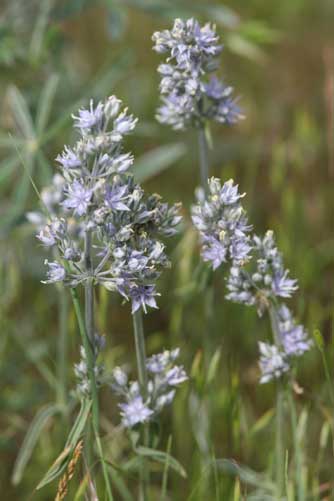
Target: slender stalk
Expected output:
[138,329]
[87,331]
[297,448]
[62,348]
[89,291]
[203,149]
[95,407]
[279,448]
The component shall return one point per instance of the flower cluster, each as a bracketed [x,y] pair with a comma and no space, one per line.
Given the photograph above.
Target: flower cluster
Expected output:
[99,204]
[273,362]
[267,280]
[189,95]
[257,276]
[163,378]
[263,283]
[222,224]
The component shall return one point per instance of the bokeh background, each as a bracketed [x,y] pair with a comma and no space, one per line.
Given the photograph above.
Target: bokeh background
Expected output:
[279,57]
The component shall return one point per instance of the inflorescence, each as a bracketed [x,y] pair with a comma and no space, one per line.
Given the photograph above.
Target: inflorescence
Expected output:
[191,94]
[163,378]
[257,276]
[96,197]
[222,223]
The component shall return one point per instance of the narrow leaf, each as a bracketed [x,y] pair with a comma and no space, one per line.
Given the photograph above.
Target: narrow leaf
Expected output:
[155,161]
[162,457]
[45,103]
[36,427]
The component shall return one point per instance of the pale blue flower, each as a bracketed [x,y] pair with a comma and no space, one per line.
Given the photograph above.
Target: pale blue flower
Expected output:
[69,159]
[143,296]
[135,411]
[222,224]
[294,338]
[273,362]
[78,197]
[91,118]
[116,196]
[55,273]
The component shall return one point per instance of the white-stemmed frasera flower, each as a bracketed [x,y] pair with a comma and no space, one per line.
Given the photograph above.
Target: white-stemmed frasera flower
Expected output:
[222,224]
[163,378]
[191,95]
[257,276]
[97,194]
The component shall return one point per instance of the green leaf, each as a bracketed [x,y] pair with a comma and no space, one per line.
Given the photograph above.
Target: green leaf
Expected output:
[243,47]
[262,422]
[61,462]
[79,424]
[155,161]
[45,103]
[21,112]
[7,167]
[213,366]
[162,457]
[36,427]
[319,340]
[40,28]
[246,475]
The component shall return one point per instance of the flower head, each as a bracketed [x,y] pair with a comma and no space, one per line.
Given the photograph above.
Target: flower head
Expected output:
[273,362]
[189,97]
[222,224]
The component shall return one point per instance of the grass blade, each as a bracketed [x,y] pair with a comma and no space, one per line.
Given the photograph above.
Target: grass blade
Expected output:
[35,429]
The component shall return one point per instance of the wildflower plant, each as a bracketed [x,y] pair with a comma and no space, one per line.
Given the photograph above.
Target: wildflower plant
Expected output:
[256,277]
[163,378]
[192,93]
[104,230]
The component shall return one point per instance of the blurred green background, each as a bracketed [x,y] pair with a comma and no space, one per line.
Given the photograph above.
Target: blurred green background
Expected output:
[279,56]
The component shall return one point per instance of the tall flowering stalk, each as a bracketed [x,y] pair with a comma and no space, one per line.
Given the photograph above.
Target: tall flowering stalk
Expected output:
[107,232]
[192,94]
[257,277]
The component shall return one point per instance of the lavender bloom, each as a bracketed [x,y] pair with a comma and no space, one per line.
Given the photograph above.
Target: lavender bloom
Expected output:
[176,376]
[115,196]
[273,363]
[125,225]
[55,273]
[89,119]
[69,159]
[123,124]
[268,280]
[188,43]
[294,338]
[135,411]
[163,377]
[47,237]
[159,363]
[143,296]
[78,198]
[189,98]
[222,224]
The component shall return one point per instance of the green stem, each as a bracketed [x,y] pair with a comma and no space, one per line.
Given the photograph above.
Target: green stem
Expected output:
[62,348]
[138,329]
[279,449]
[203,149]
[297,448]
[91,374]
